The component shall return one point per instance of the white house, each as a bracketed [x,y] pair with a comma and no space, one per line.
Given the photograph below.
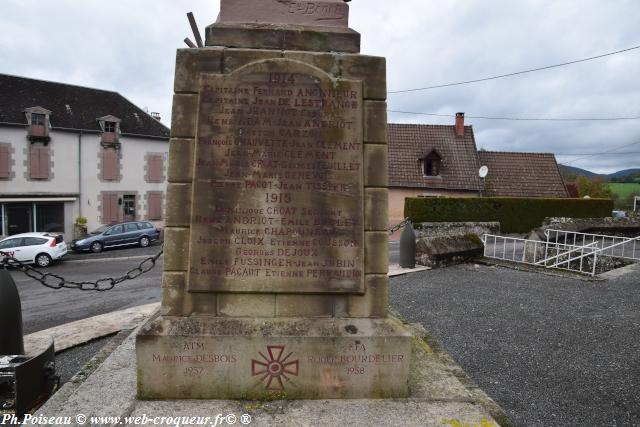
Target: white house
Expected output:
[69,151]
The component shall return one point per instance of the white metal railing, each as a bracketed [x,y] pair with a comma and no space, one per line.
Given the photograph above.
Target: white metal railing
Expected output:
[566,250]
[581,259]
[613,246]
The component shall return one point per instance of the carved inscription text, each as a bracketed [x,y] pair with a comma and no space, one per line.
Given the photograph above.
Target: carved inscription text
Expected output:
[277,195]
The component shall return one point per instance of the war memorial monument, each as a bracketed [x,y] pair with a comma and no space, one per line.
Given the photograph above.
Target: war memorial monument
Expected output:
[275,272]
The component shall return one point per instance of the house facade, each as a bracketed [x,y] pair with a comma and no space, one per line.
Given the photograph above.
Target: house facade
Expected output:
[443,161]
[68,152]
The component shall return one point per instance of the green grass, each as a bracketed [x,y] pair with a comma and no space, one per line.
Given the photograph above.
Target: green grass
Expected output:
[623,190]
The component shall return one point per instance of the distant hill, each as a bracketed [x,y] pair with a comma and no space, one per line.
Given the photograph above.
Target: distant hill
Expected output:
[569,173]
[622,174]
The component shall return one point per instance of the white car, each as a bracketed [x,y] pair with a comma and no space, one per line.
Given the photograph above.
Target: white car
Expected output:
[34,248]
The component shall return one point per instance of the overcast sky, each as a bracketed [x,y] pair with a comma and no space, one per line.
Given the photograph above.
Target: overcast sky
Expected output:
[129,47]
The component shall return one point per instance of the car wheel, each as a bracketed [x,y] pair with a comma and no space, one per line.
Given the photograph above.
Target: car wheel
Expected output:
[96,247]
[43,260]
[144,241]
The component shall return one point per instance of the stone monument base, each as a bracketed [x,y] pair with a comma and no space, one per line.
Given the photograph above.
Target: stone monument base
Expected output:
[255,359]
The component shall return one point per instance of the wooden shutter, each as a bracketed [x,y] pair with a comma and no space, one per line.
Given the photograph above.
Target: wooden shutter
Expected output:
[155,167]
[45,163]
[154,203]
[109,165]
[109,208]
[4,162]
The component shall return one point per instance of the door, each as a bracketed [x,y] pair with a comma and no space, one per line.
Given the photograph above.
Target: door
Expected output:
[131,233]
[12,248]
[19,219]
[114,236]
[32,246]
[129,207]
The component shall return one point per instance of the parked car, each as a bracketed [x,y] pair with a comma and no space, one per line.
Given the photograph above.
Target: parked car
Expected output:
[140,233]
[34,248]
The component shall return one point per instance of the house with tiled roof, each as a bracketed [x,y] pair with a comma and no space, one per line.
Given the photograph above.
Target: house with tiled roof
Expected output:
[443,161]
[69,151]
[522,175]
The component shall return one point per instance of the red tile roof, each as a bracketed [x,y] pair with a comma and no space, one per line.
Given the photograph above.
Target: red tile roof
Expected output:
[522,175]
[408,143]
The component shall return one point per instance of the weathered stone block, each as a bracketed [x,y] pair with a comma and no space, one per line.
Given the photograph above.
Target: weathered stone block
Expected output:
[375,302]
[176,249]
[376,165]
[190,63]
[177,302]
[271,36]
[181,160]
[256,359]
[372,70]
[376,252]
[375,122]
[376,209]
[304,306]
[246,305]
[178,209]
[184,116]
[323,13]
[327,62]
[236,58]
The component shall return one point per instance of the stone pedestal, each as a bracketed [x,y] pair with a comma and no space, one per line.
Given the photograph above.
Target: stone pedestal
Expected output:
[262,359]
[276,253]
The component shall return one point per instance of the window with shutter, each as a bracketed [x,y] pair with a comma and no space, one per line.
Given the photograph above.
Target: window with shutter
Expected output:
[109,208]
[154,203]
[155,166]
[39,163]
[4,162]
[110,165]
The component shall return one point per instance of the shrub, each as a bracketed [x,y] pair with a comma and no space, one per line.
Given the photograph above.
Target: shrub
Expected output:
[516,215]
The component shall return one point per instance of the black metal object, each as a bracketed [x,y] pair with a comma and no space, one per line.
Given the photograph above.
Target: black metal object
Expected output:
[408,247]
[11,340]
[27,382]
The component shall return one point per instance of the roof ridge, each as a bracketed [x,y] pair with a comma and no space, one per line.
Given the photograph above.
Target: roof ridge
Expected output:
[529,153]
[59,83]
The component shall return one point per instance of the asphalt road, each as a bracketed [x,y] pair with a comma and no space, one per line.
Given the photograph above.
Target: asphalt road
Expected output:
[43,308]
[552,351]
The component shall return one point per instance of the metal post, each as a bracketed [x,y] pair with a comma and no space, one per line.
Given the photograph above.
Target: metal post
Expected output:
[11,341]
[408,247]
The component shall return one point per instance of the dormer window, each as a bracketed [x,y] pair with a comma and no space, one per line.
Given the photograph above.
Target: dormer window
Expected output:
[110,127]
[38,124]
[432,164]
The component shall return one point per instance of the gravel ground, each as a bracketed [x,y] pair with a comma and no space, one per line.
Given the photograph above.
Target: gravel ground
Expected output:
[69,362]
[552,351]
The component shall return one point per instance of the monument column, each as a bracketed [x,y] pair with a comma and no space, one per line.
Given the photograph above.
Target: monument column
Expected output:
[276,259]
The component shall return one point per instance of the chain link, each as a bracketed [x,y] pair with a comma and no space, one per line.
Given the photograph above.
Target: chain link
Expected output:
[400,225]
[54,281]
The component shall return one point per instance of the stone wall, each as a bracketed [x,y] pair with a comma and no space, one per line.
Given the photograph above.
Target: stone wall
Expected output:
[625,227]
[450,229]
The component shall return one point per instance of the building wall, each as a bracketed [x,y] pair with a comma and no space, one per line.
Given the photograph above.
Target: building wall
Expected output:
[83,181]
[398,194]
[133,162]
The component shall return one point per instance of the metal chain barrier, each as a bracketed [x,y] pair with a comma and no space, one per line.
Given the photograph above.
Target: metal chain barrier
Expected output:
[400,225]
[55,281]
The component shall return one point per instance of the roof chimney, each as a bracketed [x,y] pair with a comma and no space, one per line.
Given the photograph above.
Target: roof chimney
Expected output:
[156,116]
[460,124]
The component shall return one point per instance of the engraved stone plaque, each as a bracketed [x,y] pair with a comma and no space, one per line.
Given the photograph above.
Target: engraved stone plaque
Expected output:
[278,182]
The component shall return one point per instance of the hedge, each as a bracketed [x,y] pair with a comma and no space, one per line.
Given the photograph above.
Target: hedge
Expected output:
[516,215]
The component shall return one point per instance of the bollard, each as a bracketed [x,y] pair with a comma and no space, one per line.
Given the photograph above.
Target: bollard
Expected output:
[408,247]
[11,341]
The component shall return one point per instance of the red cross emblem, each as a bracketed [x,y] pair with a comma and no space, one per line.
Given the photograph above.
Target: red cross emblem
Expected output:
[275,367]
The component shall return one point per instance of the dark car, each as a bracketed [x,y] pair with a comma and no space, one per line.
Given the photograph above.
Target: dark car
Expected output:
[116,235]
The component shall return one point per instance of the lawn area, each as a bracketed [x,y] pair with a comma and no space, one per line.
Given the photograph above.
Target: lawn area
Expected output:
[624,190]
